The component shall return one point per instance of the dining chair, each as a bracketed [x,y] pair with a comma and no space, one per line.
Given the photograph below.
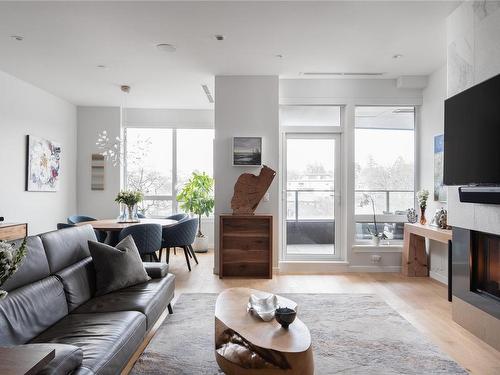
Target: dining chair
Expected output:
[147,238]
[179,217]
[75,219]
[181,235]
[64,225]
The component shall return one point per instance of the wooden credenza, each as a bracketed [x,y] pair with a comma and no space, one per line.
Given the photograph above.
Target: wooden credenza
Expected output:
[246,246]
[13,231]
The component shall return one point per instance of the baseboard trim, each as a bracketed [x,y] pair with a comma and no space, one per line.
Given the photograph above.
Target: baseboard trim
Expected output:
[312,268]
[375,269]
[437,276]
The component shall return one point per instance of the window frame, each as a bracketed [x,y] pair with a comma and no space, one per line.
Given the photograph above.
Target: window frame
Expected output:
[387,218]
[163,197]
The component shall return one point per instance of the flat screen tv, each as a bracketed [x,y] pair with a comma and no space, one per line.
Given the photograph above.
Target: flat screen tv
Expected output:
[472,136]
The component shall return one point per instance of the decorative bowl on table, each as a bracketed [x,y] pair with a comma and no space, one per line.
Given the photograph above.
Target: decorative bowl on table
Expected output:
[285,316]
[263,307]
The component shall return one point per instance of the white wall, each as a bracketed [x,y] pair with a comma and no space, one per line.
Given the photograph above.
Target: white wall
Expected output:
[91,121]
[351,92]
[26,109]
[432,124]
[245,106]
[473,39]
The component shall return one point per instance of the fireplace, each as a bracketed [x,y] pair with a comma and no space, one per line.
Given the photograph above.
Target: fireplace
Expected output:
[485,265]
[476,269]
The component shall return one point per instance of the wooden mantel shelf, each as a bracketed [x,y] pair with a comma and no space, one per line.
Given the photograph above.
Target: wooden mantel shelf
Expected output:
[415,259]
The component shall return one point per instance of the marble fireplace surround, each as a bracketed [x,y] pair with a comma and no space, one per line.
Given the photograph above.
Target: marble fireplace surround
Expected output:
[477,312]
[473,56]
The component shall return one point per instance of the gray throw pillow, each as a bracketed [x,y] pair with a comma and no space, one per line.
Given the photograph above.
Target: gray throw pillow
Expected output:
[117,267]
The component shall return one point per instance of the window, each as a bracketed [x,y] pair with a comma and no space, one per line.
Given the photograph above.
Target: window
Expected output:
[160,161]
[384,169]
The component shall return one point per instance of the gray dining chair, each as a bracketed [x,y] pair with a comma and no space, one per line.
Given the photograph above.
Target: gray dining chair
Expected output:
[147,238]
[75,219]
[179,217]
[181,235]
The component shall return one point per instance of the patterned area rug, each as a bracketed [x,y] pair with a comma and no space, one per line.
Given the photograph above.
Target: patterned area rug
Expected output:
[351,334]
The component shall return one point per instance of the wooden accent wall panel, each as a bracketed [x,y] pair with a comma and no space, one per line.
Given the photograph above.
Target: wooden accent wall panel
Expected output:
[246,246]
[11,231]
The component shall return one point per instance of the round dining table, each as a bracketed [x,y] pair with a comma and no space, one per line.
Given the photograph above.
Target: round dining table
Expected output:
[113,226]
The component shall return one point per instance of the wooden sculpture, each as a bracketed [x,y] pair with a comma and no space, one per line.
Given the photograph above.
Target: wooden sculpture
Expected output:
[249,191]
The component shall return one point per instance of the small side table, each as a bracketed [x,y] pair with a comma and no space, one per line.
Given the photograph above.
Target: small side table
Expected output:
[24,359]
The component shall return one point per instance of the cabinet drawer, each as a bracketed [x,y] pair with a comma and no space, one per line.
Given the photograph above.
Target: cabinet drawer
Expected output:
[238,255]
[245,243]
[246,269]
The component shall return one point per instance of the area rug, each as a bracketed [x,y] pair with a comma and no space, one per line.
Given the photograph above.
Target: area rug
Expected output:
[354,334]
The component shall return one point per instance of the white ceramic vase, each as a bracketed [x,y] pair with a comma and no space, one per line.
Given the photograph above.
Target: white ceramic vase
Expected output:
[200,244]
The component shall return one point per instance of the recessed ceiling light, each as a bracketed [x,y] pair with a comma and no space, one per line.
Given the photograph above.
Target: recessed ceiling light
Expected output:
[397,56]
[165,47]
[220,37]
[125,88]
[19,38]
[101,66]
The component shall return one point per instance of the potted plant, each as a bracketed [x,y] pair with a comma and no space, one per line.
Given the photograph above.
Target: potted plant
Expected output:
[196,197]
[129,200]
[422,196]
[366,200]
[10,260]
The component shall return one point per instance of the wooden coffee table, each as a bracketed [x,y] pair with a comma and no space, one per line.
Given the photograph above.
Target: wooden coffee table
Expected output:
[244,344]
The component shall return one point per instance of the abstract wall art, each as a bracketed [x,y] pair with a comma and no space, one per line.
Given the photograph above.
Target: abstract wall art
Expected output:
[440,191]
[43,164]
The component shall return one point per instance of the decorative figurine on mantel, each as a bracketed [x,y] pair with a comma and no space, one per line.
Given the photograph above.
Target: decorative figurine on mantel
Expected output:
[249,191]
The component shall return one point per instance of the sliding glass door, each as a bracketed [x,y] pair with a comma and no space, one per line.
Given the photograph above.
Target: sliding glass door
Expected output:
[311,196]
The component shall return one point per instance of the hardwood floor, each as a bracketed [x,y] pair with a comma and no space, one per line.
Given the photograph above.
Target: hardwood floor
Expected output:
[422,301]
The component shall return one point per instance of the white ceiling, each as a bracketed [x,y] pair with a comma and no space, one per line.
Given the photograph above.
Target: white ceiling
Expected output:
[65,41]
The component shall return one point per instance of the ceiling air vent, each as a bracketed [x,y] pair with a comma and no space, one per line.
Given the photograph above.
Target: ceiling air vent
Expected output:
[208,93]
[343,74]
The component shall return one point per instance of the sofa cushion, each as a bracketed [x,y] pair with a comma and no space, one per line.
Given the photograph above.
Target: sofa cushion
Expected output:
[67,246]
[107,340]
[67,359]
[79,282]
[149,298]
[117,267]
[33,268]
[31,309]
[156,270]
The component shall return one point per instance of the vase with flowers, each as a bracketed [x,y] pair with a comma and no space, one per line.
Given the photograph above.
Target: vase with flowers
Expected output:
[367,200]
[422,196]
[128,199]
[10,260]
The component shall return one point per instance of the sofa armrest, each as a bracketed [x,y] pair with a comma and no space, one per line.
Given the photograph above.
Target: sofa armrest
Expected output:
[156,270]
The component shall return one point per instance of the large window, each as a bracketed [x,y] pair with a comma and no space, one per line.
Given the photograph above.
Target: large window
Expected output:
[160,161]
[384,169]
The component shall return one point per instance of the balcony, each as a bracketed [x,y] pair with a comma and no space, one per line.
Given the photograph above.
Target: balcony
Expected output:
[310,224]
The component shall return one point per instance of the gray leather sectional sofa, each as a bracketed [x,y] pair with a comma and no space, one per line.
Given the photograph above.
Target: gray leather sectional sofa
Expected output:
[50,302]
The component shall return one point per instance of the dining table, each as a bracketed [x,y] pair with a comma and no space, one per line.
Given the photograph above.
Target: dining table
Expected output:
[113,227]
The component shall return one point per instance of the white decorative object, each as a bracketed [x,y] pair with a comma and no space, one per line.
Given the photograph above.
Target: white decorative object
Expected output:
[111,150]
[200,244]
[263,307]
